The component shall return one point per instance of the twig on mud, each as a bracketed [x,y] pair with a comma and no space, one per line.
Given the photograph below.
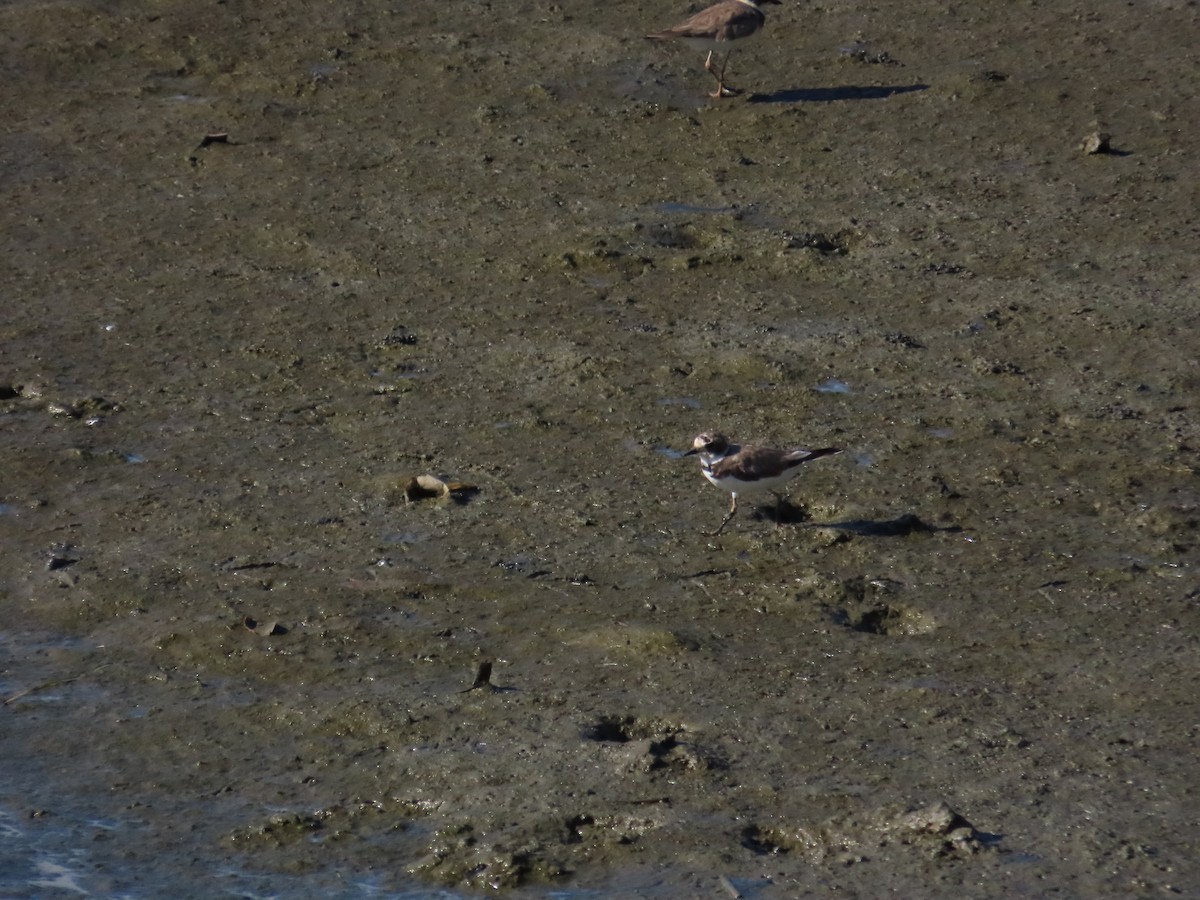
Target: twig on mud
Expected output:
[54,682]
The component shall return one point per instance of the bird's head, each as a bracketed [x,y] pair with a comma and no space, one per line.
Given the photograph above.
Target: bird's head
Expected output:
[710,442]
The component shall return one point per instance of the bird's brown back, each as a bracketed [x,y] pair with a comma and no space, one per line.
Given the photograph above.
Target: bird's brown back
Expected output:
[726,21]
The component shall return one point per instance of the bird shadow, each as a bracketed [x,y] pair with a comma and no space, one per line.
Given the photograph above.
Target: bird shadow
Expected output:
[901,526]
[833,94]
[782,512]
[787,513]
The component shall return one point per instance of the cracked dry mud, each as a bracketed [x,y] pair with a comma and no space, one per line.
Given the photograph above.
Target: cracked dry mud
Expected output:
[266,264]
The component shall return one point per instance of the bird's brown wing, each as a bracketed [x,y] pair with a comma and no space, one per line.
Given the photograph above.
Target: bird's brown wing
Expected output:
[724,22]
[795,457]
[751,463]
[744,24]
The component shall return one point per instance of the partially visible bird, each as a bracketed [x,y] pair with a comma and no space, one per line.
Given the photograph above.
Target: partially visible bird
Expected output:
[745,469]
[716,30]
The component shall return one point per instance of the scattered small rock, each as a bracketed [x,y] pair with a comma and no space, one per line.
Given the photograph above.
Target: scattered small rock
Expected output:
[1098,142]
[483,677]
[427,487]
[825,244]
[265,629]
[934,830]
[58,561]
[945,269]
[901,339]
[400,336]
[93,408]
[863,53]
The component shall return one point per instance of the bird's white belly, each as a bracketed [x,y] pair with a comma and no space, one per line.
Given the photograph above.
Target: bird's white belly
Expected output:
[736,486]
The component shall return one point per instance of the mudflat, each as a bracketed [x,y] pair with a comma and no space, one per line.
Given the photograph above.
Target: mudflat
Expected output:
[266,264]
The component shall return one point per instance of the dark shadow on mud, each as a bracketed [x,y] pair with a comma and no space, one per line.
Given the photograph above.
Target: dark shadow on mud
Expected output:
[787,513]
[833,94]
[901,526]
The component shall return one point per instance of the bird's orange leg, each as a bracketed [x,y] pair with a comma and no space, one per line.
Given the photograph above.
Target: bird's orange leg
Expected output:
[722,89]
[728,516]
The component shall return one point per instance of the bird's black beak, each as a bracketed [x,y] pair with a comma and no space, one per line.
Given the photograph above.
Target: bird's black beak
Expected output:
[691,452]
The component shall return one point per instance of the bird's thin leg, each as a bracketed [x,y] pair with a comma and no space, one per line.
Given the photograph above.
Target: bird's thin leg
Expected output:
[708,67]
[778,509]
[728,516]
[722,89]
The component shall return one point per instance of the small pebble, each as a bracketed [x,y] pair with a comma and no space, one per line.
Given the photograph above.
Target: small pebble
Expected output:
[1097,142]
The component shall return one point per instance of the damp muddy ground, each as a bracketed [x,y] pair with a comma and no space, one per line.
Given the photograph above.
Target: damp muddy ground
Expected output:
[264,263]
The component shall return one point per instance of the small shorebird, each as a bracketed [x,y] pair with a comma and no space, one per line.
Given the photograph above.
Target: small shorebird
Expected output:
[716,29]
[742,470]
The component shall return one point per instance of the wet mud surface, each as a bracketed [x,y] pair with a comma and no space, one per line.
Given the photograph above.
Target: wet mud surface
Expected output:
[264,264]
